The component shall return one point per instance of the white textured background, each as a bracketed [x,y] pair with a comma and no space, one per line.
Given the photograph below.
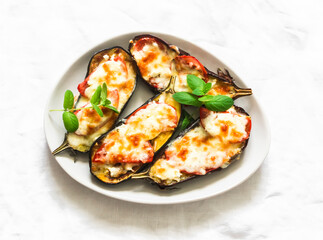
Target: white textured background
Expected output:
[275,46]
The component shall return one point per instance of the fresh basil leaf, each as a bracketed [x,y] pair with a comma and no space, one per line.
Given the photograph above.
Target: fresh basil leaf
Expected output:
[195,82]
[208,98]
[71,122]
[187,120]
[187,99]
[95,99]
[198,92]
[185,123]
[207,87]
[222,103]
[98,110]
[68,100]
[104,92]
[112,108]
[106,102]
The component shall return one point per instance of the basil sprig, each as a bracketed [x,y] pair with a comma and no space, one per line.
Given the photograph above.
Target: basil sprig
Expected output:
[99,98]
[198,97]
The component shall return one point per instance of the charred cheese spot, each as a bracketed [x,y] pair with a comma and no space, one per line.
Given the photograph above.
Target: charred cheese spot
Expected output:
[145,61]
[119,147]
[182,154]
[135,140]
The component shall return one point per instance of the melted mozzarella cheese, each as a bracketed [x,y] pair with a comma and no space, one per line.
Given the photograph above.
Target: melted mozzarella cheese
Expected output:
[163,170]
[229,126]
[82,143]
[90,120]
[155,64]
[119,146]
[195,153]
[153,119]
[111,72]
[130,141]
[118,170]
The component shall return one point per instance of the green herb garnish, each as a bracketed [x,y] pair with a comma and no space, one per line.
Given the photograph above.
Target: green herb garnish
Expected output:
[187,99]
[198,96]
[71,122]
[68,100]
[99,98]
[188,119]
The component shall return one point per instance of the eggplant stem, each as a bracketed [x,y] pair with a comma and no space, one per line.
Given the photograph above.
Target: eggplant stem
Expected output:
[62,147]
[242,92]
[141,175]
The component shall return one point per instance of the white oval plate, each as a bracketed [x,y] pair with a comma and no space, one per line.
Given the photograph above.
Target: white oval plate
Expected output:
[141,191]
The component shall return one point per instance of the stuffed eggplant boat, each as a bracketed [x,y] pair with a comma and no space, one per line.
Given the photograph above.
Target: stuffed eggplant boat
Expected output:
[210,143]
[154,59]
[124,150]
[158,60]
[117,70]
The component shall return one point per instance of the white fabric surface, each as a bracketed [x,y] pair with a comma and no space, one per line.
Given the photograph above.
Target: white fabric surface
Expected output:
[274,46]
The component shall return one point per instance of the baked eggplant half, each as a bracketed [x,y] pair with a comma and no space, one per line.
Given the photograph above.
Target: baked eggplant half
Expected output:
[158,60]
[116,68]
[132,143]
[154,58]
[210,143]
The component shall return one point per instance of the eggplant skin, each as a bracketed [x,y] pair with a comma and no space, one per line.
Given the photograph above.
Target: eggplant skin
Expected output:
[164,185]
[95,60]
[96,145]
[136,38]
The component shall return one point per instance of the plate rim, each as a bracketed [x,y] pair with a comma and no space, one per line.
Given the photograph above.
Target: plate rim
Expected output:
[164,201]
